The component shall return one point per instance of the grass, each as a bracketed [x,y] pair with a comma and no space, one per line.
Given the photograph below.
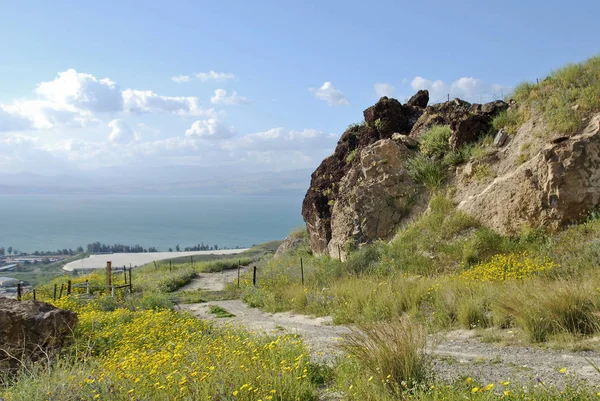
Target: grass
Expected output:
[136,347]
[447,271]
[562,100]
[220,312]
[393,353]
[434,142]
[427,171]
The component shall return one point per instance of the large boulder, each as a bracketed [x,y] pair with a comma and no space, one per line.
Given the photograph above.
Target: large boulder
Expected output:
[557,186]
[374,198]
[467,121]
[419,99]
[386,117]
[31,330]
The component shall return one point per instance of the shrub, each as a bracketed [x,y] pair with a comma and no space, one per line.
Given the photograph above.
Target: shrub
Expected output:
[393,352]
[425,170]
[435,141]
[351,156]
[507,120]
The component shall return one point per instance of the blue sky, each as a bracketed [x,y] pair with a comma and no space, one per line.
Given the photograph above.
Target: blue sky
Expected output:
[91,84]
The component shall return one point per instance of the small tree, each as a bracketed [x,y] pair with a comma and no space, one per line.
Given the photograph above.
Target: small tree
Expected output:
[9,250]
[2,251]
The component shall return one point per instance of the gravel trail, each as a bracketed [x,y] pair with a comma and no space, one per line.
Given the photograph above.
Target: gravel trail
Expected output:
[455,355]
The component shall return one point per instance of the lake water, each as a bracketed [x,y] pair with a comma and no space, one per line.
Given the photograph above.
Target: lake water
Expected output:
[30,223]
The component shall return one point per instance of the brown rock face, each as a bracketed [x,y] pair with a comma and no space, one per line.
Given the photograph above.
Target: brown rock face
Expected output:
[374,197]
[419,99]
[30,328]
[389,115]
[556,187]
[386,117]
[467,121]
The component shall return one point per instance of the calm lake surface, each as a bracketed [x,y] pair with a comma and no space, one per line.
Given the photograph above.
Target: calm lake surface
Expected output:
[30,223]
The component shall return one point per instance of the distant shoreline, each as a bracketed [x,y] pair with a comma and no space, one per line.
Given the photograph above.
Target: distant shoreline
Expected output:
[138,259]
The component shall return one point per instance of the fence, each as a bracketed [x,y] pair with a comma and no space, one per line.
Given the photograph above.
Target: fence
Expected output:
[84,288]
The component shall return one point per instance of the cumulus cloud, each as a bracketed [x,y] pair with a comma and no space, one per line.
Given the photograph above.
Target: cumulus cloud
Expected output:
[211,129]
[120,132]
[214,76]
[330,94]
[45,114]
[146,101]
[383,89]
[180,78]
[221,97]
[468,88]
[82,91]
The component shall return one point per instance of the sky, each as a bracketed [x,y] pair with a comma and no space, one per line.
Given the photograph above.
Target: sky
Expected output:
[251,86]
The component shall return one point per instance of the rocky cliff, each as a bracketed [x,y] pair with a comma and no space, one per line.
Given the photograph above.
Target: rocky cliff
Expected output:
[536,176]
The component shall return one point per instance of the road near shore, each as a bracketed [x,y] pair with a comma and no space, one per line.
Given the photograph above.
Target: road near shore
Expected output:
[138,259]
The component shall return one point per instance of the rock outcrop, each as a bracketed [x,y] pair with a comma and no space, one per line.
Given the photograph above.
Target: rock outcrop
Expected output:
[31,329]
[557,186]
[362,192]
[374,197]
[468,121]
[386,117]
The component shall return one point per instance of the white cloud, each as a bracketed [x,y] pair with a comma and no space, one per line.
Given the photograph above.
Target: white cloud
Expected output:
[12,121]
[140,101]
[467,88]
[82,91]
[383,89]
[121,132]
[181,78]
[211,129]
[221,97]
[214,76]
[45,114]
[330,94]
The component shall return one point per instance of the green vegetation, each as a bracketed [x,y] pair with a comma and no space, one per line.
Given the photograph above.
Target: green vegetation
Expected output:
[220,312]
[562,99]
[438,270]
[434,142]
[426,170]
[351,156]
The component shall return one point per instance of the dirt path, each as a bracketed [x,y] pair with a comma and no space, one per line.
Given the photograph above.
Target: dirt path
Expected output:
[457,354]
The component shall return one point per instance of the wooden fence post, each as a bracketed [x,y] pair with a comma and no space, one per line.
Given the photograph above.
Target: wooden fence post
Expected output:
[108,276]
[34,297]
[239,267]
[55,286]
[302,271]
[87,287]
[130,284]
[125,273]
[254,277]
[192,260]
[156,267]
[69,287]
[62,286]
[170,265]
[340,253]
[19,290]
